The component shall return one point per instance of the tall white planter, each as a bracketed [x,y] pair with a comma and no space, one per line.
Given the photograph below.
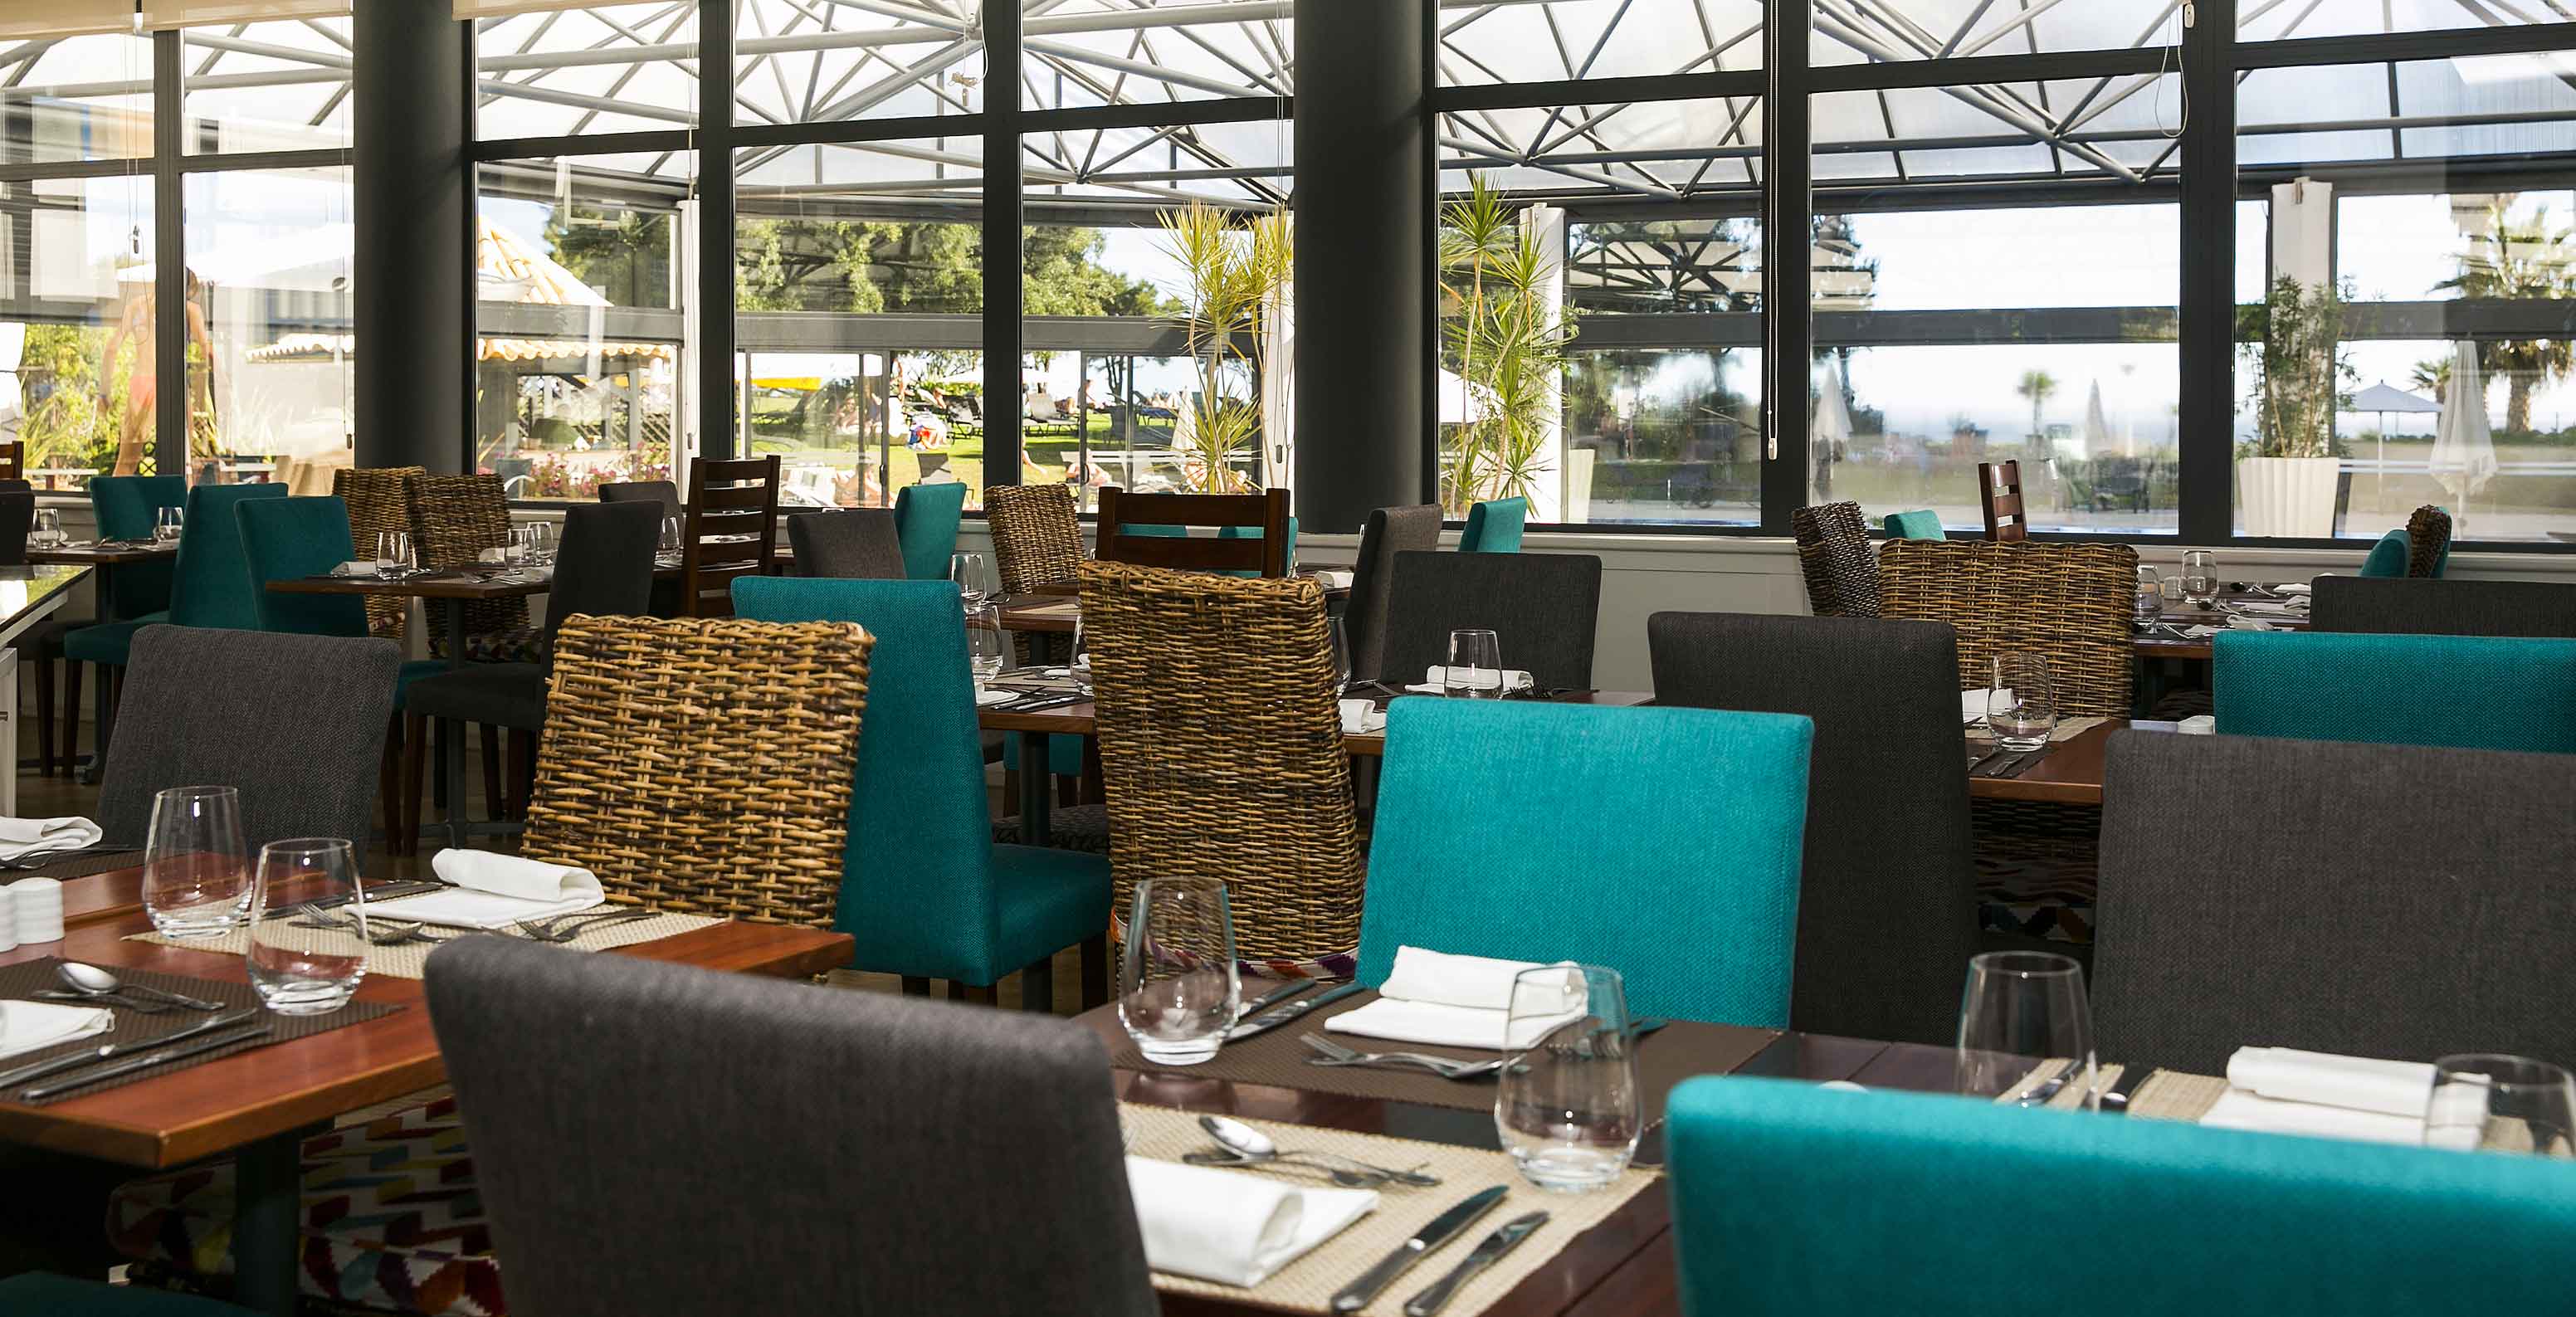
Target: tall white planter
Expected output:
[2288,497]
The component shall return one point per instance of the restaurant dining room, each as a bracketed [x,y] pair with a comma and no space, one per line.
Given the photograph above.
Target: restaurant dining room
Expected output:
[1503,658]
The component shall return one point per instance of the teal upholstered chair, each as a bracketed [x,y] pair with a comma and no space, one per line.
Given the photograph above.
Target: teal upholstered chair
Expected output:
[925,522]
[210,586]
[1918,525]
[1494,526]
[2478,692]
[2388,557]
[38,1294]
[1790,1200]
[923,888]
[286,538]
[126,507]
[1535,831]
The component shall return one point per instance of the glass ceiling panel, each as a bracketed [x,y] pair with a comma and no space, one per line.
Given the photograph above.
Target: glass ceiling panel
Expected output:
[809,63]
[280,86]
[606,69]
[1651,148]
[2430,109]
[1110,52]
[2058,129]
[1863,31]
[2269,20]
[85,98]
[1560,40]
[1231,164]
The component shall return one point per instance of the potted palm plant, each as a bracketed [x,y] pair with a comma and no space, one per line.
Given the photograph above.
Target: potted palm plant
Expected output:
[1238,274]
[1507,345]
[2285,477]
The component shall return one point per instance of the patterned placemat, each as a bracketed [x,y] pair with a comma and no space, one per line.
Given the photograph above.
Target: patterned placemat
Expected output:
[77,866]
[2067,730]
[405,960]
[19,981]
[1308,1284]
[2166,1095]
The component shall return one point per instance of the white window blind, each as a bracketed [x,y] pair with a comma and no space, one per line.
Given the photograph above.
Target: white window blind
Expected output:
[503,8]
[26,19]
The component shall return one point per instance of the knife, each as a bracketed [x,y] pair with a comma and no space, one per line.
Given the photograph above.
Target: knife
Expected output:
[1485,1255]
[1275,996]
[147,1061]
[2024,764]
[2115,1099]
[1272,1019]
[13,1078]
[1443,1227]
[379,892]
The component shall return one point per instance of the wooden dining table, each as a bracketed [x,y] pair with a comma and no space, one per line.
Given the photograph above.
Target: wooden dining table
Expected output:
[262,1104]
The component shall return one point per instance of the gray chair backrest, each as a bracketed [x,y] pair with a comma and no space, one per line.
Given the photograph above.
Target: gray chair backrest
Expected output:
[604,565]
[2377,900]
[688,1142]
[17,518]
[664,492]
[1887,904]
[854,544]
[296,722]
[1543,607]
[2419,606]
[1389,531]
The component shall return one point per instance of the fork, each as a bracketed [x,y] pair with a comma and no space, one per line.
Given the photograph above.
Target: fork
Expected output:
[1334,1054]
[380,933]
[564,928]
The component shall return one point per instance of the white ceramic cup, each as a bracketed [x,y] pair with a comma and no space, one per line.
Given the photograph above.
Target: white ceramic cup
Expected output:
[39,909]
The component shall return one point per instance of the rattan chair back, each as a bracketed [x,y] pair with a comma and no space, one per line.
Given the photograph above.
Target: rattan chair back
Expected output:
[1834,554]
[1267,509]
[378,502]
[1221,747]
[2428,541]
[1999,490]
[2069,603]
[731,530]
[453,520]
[703,765]
[1037,537]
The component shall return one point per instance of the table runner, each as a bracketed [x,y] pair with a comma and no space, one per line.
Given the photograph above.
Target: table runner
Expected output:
[1308,1284]
[405,961]
[18,981]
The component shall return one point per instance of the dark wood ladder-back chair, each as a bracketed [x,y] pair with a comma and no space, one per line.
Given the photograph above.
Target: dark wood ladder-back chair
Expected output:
[1999,489]
[13,461]
[1267,509]
[732,530]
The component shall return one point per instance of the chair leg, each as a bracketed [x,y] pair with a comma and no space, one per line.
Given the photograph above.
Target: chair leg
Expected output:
[389,783]
[105,714]
[915,985]
[1037,987]
[451,742]
[439,751]
[523,771]
[71,715]
[1010,793]
[1095,970]
[988,995]
[45,715]
[1068,791]
[415,761]
[494,801]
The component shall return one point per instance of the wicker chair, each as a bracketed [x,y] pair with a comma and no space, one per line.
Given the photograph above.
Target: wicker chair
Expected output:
[453,520]
[703,765]
[378,502]
[1221,746]
[1834,553]
[1037,539]
[2428,542]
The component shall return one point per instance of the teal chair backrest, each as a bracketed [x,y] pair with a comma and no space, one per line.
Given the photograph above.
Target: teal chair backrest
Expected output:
[925,524]
[2480,692]
[286,538]
[2388,557]
[124,506]
[1922,524]
[211,585]
[1534,831]
[917,885]
[1494,526]
[1790,1200]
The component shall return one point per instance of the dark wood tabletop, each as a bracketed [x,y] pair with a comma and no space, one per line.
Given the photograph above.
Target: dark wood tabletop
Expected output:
[460,583]
[2164,643]
[112,554]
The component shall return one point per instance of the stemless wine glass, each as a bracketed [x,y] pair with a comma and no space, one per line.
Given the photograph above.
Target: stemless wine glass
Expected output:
[2200,577]
[196,871]
[2494,1103]
[1178,989]
[1475,668]
[2022,1008]
[297,969]
[2021,702]
[973,578]
[393,553]
[48,530]
[1341,651]
[670,535]
[541,541]
[2150,603]
[984,645]
[166,523]
[1568,1109]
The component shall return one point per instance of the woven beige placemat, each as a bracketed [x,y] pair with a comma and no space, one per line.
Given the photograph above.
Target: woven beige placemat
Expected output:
[1309,1283]
[2067,730]
[2167,1094]
[404,961]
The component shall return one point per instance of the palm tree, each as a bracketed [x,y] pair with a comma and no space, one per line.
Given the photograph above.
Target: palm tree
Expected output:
[2433,377]
[2523,261]
[2036,385]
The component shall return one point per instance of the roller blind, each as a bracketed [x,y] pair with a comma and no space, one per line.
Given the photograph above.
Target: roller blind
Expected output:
[502,8]
[25,19]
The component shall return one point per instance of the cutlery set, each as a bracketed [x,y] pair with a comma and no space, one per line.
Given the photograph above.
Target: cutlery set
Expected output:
[1443,1228]
[2008,763]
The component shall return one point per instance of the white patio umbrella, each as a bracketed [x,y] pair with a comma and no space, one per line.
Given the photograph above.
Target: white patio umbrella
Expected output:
[1279,391]
[1832,427]
[2383,400]
[2464,457]
[2096,435]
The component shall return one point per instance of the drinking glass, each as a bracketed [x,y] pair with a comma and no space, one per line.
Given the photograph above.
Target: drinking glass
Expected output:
[1568,1108]
[1078,666]
[196,871]
[48,529]
[2150,603]
[166,523]
[1341,641]
[2022,1008]
[670,535]
[973,578]
[541,541]
[2493,1103]
[2200,577]
[2021,702]
[393,553]
[298,970]
[984,645]
[1475,669]
[1177,987]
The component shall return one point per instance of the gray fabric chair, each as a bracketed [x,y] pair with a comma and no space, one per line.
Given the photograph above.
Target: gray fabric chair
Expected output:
[17,517]
[876,1138]
[297,722]
[853,544]
[662,492]
[1543,606]
[1887,905]
[1389,531]
[2424,607]
[2377,900]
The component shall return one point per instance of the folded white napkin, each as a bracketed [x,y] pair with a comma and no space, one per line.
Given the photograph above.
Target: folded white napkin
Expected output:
[22,836]
[2237,1109]
[1336,578]
[495,891]
[1436,680]
[493,556]
[355,568]
[2359,1083]
[1456,1001]
[1232,1228]
[2242,623]
[1362,716]
[2199,724]
[26,1026]
[1972,703]
[2292,588]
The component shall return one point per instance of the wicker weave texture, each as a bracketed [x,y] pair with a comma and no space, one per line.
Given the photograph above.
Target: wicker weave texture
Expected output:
[1037,539]
[453,520]
[2428,538]
[1834,553]
[1221,747]
[703,765]
[377,503]
[2068,603]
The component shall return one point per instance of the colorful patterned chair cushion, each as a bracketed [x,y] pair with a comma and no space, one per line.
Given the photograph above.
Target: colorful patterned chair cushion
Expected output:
[392,1222]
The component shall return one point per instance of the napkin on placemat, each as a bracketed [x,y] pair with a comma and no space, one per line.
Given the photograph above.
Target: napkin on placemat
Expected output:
[2239,1110]
[24,836]
[1455,1001]
[1335,578]
[27,1026]
[494,891]
[1972,703]
[355,568]
[1230,1228]
[2359,1083]
[1362,716]
[1436,679]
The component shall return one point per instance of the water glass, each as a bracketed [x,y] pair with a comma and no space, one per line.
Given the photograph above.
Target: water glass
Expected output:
[2495,1103]
[300,970]
[48,531]
[2021,702]
[393,553]
[670,535]
[2022,1008]
[1568,1108]
[196,870]
[1178,989]
[984,644]
[2200,577]
[2150,604]
[1341,651]
[973,578]
[165,525]
[1475,668]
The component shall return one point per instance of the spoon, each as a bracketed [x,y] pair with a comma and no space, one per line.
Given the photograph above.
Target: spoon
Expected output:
[1251,1145]
[91,981]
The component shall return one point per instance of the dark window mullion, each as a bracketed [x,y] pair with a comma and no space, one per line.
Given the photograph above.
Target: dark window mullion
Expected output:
[1788,316]
[169,345]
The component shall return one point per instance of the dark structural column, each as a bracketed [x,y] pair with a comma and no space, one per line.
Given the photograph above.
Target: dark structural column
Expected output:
[412,283]
[1788,320]
[2207,310]
[1002,244]
[1365,183]
[719,414]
